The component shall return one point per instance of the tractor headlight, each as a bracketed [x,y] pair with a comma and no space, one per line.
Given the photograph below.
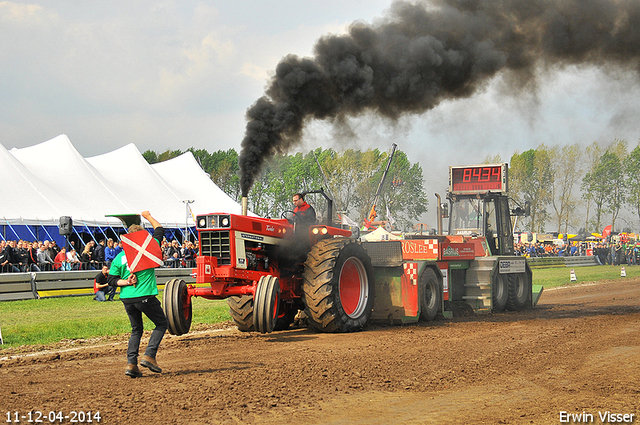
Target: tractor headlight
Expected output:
[202,222]
[225,222]
[319,230]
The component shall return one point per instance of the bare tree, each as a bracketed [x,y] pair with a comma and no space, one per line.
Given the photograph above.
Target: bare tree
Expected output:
[632,177]
[591,156]
[530,180]
[566,161]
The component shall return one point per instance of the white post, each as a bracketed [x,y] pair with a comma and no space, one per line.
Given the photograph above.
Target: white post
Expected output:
[186,221]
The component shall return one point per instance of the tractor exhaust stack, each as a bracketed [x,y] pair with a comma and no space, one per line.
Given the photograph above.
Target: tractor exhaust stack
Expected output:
[245,205]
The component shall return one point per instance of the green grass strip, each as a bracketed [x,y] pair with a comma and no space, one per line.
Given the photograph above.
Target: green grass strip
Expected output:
[559,276]
[50,320]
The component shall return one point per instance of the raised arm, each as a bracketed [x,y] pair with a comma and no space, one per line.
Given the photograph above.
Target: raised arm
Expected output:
[150,219]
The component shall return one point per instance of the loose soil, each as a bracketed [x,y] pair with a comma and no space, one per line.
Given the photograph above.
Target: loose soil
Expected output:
[577,351]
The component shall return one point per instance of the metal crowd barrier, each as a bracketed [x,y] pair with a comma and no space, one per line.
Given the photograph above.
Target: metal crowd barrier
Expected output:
[574,261]
[93,266]
[34,285]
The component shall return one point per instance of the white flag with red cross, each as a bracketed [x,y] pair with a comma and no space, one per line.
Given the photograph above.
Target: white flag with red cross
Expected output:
[142,251]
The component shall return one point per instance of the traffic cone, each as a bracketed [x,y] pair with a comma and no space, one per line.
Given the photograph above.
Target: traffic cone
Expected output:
[573,276]
[623,273]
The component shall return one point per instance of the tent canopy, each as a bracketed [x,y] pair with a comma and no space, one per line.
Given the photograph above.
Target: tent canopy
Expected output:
[51,179]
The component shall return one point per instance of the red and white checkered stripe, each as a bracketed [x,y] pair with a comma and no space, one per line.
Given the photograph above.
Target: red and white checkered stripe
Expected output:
[411,270]
[433,246]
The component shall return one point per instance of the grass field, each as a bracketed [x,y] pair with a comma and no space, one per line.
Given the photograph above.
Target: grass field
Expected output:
[50,320]
[558,276]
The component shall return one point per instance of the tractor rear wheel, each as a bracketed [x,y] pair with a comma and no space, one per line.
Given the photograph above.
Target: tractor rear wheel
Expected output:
[500,293]
[430,295]
[266,304]
[338,286]
[177,306]
[519,291]
[241,311]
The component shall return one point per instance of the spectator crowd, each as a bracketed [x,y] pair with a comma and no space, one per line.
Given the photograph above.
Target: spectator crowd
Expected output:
[25,256]
[611,253]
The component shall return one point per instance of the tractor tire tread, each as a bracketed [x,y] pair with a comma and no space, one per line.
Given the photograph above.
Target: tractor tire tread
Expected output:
[241,311]
[323,315]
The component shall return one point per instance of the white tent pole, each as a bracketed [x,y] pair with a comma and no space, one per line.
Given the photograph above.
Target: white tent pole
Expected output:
[186,220]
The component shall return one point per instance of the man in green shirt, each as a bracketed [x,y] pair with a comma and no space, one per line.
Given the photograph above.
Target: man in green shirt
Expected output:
[138,294]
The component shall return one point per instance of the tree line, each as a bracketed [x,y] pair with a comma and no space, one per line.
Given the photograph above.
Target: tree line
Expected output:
[567,187]
[572,187]
[350,177]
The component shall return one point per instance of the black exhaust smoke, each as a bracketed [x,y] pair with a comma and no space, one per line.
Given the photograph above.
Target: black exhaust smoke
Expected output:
[421,54]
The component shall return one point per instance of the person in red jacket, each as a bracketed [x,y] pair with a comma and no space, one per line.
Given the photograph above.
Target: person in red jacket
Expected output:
[60,261]
[304,215]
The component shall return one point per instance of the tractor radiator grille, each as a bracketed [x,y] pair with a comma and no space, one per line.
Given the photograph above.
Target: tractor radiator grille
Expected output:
[384,254]
[216,244]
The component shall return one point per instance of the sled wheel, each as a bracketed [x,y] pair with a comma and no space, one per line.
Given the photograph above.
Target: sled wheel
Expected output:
[266,303]
[338,286]
[519,291]
[430,295]
[177,306]
[500,293]
[241,310]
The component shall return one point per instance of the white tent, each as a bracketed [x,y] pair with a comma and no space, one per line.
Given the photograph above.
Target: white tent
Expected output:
[186,177]
[51,179]
[28,200]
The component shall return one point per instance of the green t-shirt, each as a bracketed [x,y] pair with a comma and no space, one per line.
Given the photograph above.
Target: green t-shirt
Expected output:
[147,284]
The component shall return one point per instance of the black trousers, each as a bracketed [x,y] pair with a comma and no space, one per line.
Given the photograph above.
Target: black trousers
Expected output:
[153,310]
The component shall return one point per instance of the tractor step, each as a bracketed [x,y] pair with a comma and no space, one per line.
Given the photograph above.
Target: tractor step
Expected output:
[477,286]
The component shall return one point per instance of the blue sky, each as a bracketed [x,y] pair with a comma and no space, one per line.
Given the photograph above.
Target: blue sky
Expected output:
[180,74]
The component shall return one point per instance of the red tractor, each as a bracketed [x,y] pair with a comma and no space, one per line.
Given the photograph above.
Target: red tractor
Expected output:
[268,270]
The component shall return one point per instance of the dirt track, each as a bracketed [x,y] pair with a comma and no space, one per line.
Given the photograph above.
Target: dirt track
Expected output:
[577,351]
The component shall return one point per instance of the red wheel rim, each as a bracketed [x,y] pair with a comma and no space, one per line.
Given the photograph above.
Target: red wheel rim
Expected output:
[353,287]
[274,314]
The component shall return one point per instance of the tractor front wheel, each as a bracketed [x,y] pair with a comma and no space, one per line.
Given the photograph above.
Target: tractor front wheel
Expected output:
[266,304]
[338,286]
[177,306]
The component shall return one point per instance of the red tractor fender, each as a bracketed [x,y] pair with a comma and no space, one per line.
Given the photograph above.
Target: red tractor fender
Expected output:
[319,232]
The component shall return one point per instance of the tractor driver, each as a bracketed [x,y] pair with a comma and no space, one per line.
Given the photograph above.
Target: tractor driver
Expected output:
[305,215]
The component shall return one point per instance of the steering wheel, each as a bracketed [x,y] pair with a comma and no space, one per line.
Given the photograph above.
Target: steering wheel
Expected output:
[284,215]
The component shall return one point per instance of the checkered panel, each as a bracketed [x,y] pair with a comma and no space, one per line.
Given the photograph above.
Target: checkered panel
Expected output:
[432,246]
[420,249]
[411,270]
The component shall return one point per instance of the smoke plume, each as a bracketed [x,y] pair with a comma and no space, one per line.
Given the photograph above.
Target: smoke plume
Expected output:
[423,53]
